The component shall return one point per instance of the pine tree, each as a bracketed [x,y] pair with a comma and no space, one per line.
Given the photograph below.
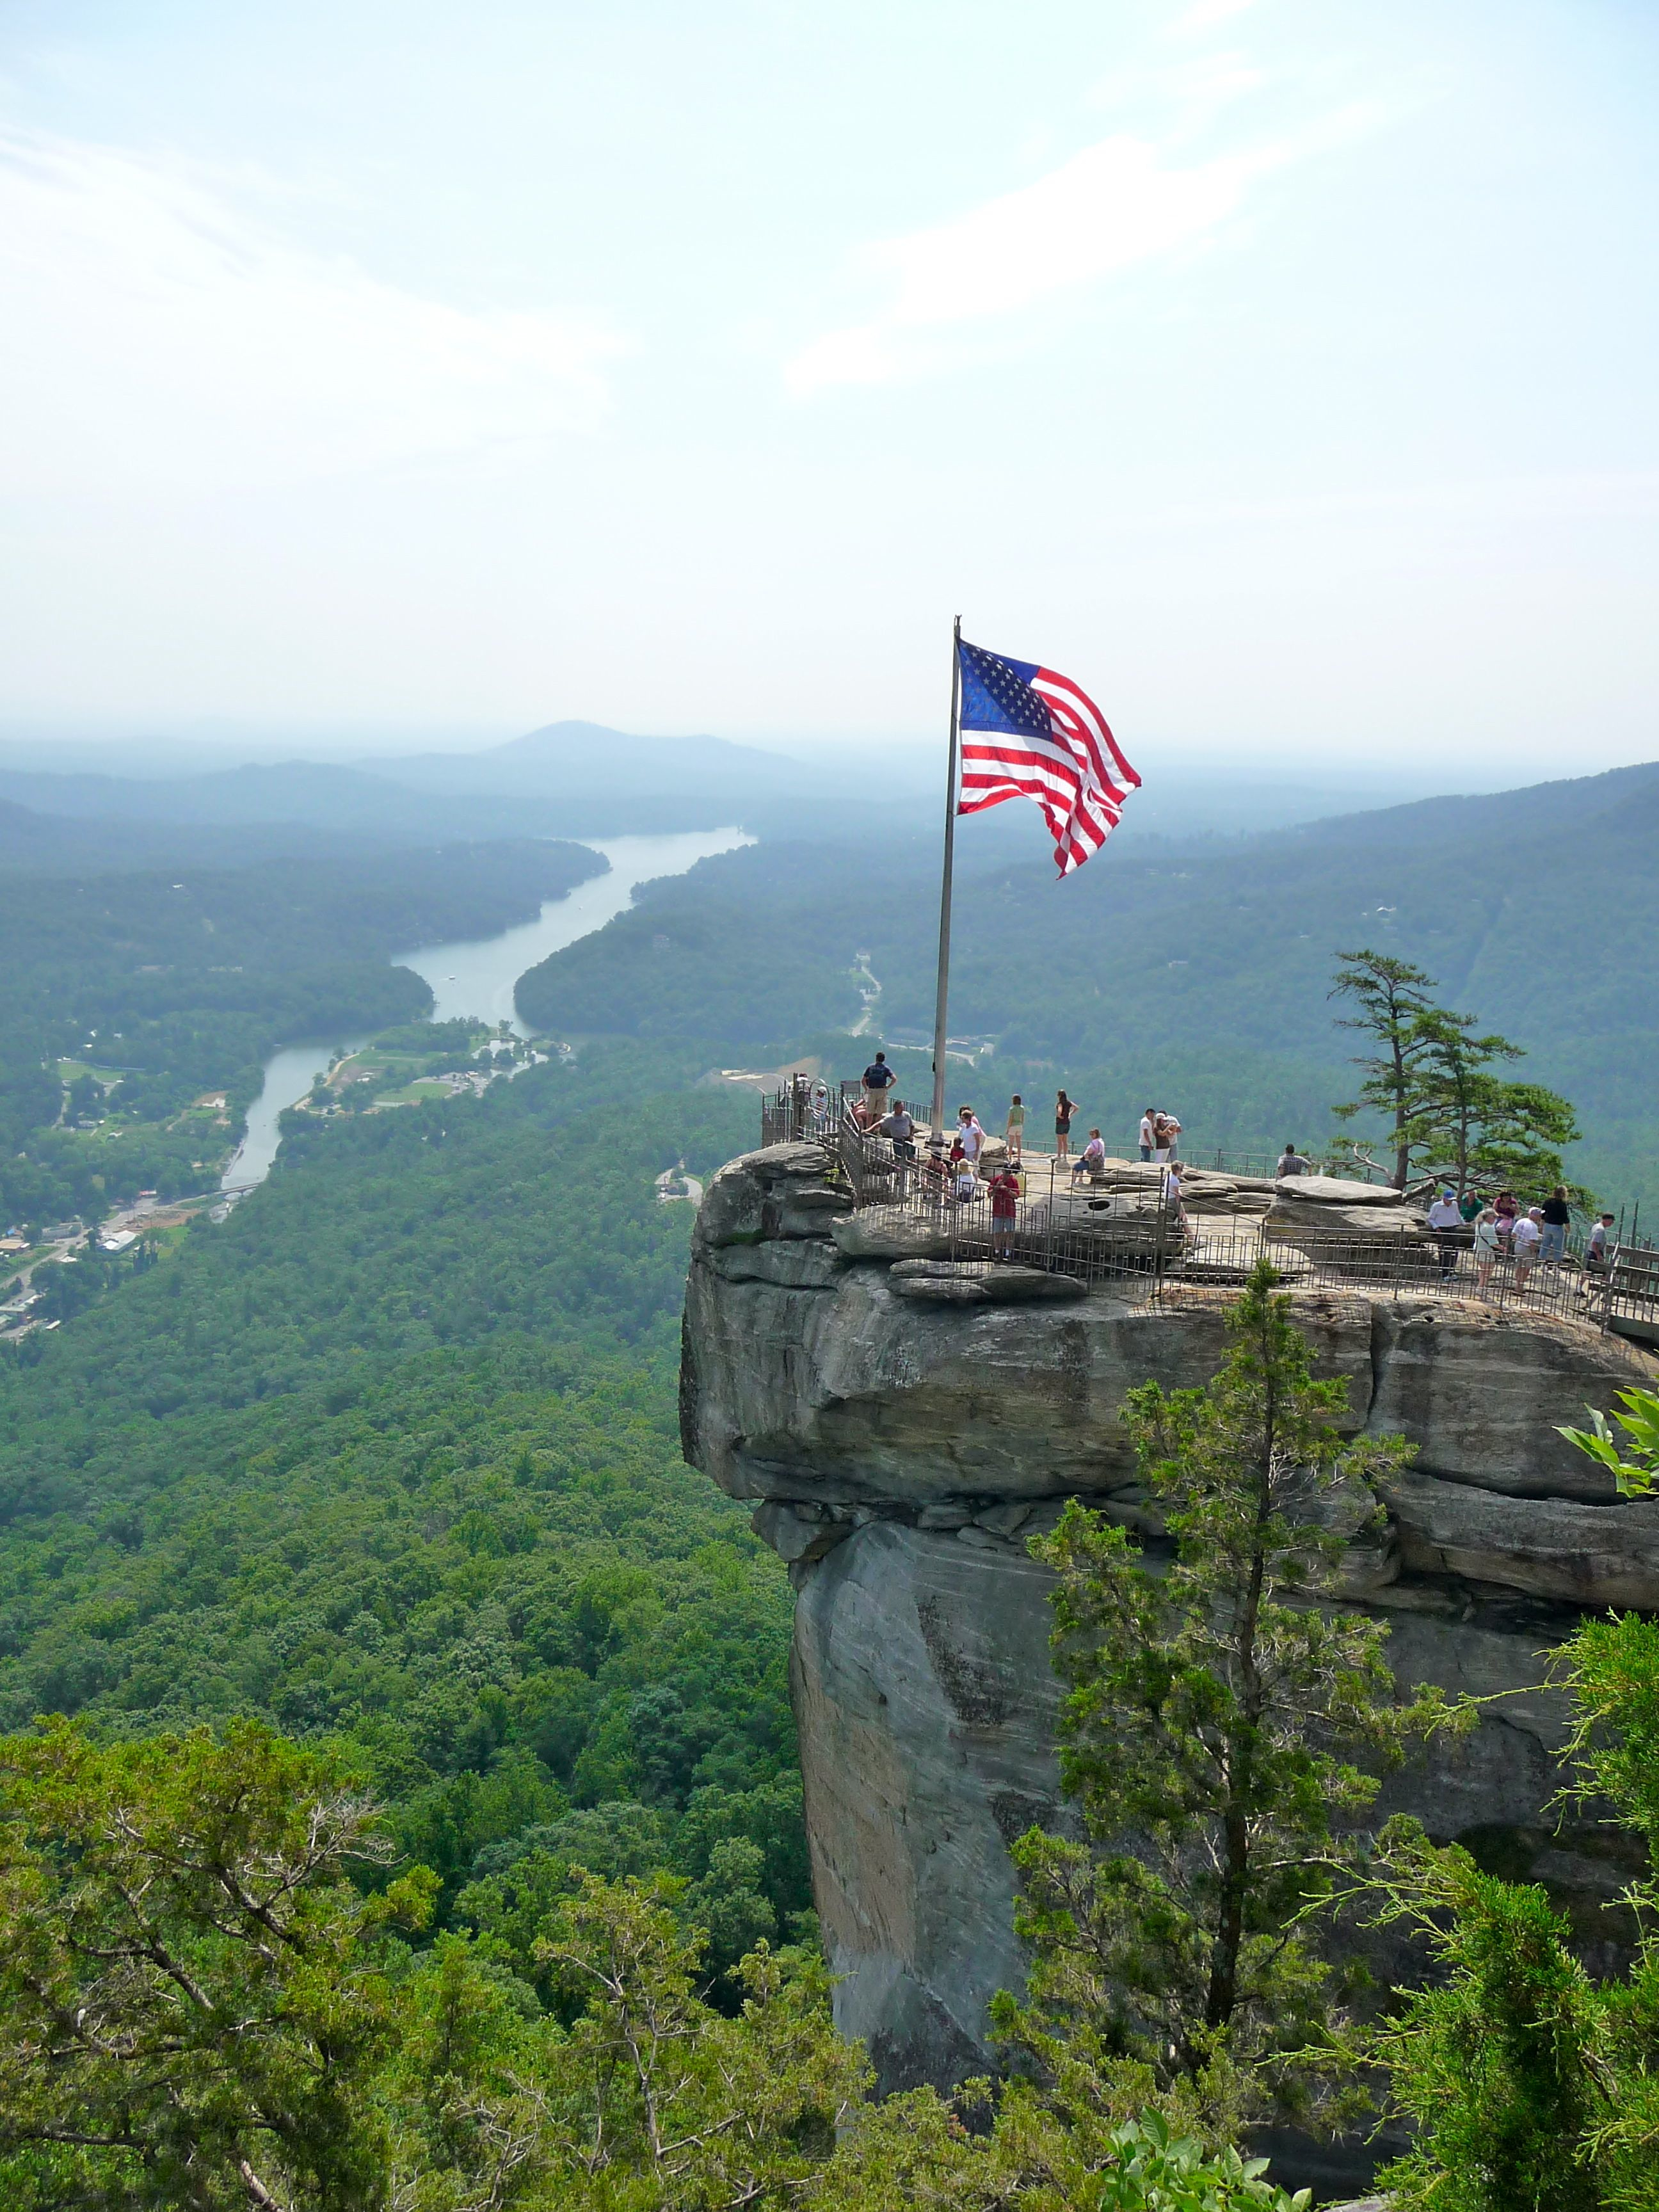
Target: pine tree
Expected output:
[1223,1724]
[1391,997]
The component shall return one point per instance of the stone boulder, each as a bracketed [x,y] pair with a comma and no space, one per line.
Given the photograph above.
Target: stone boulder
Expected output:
[1593,1556]
[1329,1220]
[965,1281]
[887,1233]
[781,1191]
[1336,1190]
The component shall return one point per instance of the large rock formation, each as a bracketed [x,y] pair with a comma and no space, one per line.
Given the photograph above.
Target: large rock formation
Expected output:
[900,1446]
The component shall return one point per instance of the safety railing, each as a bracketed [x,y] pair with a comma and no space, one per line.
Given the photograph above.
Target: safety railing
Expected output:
[1129,1228]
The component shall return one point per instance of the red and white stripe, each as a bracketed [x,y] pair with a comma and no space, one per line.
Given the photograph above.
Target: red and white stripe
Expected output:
[1077,776]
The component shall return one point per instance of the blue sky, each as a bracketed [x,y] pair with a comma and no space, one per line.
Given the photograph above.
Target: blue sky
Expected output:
[1282,370]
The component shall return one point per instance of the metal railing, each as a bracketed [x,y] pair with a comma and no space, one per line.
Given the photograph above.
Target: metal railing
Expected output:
[1123,1227]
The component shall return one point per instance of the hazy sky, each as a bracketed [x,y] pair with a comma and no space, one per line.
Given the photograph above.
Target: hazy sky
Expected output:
[1284,370]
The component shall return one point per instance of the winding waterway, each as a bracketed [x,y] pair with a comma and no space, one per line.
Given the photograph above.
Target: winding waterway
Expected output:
[479,975]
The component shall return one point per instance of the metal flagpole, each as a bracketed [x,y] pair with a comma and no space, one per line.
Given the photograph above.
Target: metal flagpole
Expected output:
[945,889]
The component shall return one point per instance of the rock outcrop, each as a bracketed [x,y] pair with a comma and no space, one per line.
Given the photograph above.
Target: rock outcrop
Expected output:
[902,1442]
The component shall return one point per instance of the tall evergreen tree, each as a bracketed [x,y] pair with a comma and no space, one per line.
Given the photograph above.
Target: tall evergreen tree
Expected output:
[1224,1722]
[1391,996]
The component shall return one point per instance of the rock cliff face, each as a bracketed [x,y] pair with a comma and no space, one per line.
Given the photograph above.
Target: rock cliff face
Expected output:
[901,1448]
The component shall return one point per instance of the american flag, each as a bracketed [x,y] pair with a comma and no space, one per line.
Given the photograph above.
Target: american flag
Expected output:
[1028,733]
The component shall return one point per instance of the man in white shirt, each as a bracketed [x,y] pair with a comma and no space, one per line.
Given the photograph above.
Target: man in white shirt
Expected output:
[1446,1219]
[971,1133]
[1290,1162]
[1525,1238]
[1148,1132]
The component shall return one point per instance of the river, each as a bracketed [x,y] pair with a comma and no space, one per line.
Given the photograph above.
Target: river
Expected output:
[478,976]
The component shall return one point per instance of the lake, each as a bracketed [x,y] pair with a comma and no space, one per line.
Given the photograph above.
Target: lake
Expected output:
[478,976]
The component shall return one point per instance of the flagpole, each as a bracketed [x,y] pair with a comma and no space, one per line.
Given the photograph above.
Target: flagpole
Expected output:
[939,1002]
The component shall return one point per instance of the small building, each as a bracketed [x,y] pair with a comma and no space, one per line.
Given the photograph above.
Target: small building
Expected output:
[117,1241]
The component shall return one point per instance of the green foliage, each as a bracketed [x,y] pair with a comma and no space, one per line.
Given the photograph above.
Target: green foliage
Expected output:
[390,1456]
[178,987]
[1530,2086]
[186,2013]
[1215,1719]
[1494,2063]
[1467,1123]
[1162,2173]
[201,2009]
[1632,1459]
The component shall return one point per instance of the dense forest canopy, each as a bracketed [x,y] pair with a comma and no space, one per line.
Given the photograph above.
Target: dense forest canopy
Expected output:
[159,987]
[390,1456]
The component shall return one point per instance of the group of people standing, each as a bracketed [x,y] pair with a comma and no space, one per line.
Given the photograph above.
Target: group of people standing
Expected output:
[1499,1229]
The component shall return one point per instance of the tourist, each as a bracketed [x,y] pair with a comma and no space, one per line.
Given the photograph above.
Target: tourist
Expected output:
[1505,1208]
[1487,1248]
[1469,1206]
[1148,1122]
[1446,1219]
[1171,1194]
[1166,1130]
[1014,1135]
[971,1136]
[1595,1252]
[1291,1161]
[1525,1237]
[878,1080]
[1064,1109]
[964,1181]
[1557,1217]
[900,1130]
[1003,1188]
[1093,1160]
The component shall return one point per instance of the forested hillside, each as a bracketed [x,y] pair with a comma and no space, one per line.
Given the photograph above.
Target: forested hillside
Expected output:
[1197,974]
[390,1456]
[156,986]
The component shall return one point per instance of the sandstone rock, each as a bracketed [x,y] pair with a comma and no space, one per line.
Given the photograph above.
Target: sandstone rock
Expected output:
[1336,1190]
[796,1532]
[923,1689]
[1001,1283]
[1485,1396]
[1360,1221]
[927,1708]
[1593,1556]
[743,1202]
[905,1451]
[881,1234]
[804,1264]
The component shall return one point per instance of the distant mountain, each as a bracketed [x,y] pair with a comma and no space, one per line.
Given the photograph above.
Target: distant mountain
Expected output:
[342,800]
[587,760]
[550,784]
[33,843]
[1542,810]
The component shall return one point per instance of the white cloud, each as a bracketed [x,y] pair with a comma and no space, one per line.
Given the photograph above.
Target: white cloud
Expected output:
[158,334]
[1112,205]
